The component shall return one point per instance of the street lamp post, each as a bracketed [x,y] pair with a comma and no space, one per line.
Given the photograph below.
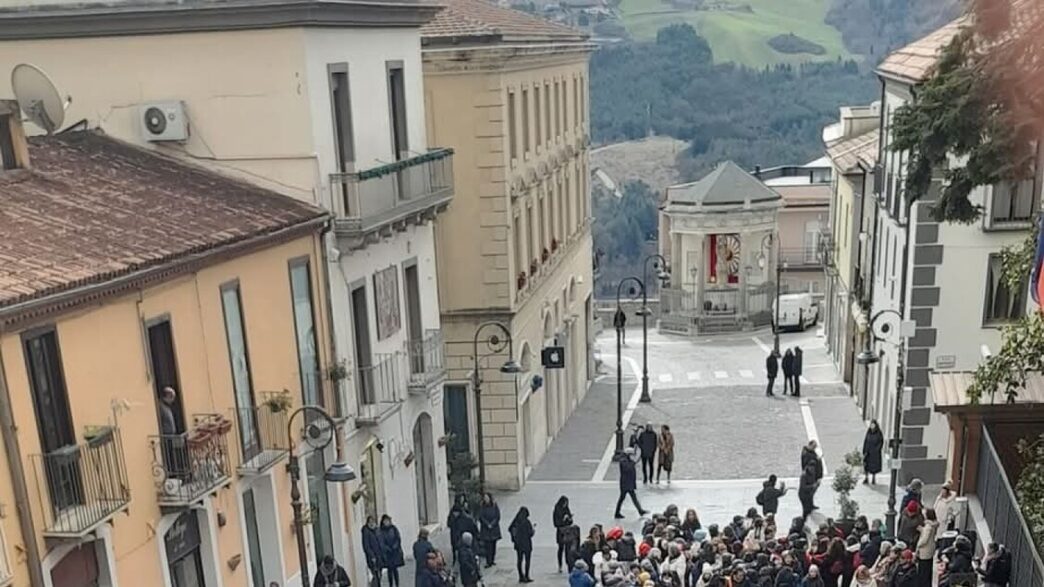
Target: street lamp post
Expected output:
[318,434]
[663,274]
[780,266]
[619,322]
[495,345]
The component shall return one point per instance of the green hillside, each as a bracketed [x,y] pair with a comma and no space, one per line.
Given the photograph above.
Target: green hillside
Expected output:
[739,30]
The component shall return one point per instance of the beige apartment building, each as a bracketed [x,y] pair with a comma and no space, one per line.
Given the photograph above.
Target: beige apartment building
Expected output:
[508,92]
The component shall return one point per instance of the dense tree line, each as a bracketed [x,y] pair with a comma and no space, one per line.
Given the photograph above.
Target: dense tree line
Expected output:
[763,117]
[874,27]
[625,232]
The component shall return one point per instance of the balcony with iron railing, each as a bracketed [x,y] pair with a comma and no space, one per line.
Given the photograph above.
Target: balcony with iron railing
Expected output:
[190,465]
[262,433]
[82,486]
[380,387]
[427,368]
[412,190]
[801,257]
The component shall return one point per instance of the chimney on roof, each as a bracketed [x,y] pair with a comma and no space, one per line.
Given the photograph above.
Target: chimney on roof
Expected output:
[14,150]
[757,171]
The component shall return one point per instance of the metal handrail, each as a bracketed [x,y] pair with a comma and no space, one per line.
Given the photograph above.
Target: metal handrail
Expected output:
[268,438]
[189,465]
[425,357]
[380,382]
[367,197]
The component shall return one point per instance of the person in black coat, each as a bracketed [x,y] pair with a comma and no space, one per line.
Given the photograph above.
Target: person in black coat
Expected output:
[521,531]
[468,562]
[798,368]
[810,458]
[807,490]
[873,444]
[771,491]
[788,371]
[331,574]
[421,549]
[459,522]
[647,442]
[429,575]
[489,528]
[628,482]
[371,543]
[562,518]
[771,370]
[391,549]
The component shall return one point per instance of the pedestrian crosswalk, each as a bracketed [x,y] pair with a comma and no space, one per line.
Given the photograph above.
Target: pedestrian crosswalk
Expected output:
[714,377]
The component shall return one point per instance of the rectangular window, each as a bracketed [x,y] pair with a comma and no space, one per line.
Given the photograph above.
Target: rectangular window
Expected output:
[548,115]
[1002,304]
[257,567]
[304,330]
[1013,202]
[397,108]
[341,109]
[512,121]
[576,102]
[365,389]
[520,261]
[558,112]
[536,118]
[238,355]
[525,122]
[530,240]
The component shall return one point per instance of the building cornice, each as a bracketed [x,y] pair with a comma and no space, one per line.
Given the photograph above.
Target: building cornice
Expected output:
[193,16]
[501,57]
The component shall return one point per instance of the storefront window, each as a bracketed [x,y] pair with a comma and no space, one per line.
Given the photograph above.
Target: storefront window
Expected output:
[183,553]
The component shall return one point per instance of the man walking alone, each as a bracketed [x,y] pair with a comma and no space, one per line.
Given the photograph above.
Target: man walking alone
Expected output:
[647,443]
[628,482]
[771,369]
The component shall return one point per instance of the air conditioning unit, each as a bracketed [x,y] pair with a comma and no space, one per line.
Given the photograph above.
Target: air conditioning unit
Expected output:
[163,121]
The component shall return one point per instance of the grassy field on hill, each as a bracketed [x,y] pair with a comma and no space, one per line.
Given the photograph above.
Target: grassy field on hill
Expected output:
[739,30]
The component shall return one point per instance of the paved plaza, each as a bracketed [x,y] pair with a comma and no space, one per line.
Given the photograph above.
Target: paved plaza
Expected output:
[728,437]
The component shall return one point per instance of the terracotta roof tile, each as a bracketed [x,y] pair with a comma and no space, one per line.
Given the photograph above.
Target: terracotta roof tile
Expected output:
[478,19]
[848,153]
[91,208]
[914,62]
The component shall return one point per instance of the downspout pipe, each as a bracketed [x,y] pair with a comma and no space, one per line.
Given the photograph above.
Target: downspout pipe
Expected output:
[13,454]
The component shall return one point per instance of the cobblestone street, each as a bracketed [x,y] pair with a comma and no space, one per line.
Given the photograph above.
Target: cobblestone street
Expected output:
[728,436]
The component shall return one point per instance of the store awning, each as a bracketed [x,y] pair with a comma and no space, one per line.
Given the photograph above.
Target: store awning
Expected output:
[950,394]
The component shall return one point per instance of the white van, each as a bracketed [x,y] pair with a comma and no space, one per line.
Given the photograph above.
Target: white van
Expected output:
[796,311]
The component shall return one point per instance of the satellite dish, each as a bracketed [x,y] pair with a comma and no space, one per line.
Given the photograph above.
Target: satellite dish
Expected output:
[37,97]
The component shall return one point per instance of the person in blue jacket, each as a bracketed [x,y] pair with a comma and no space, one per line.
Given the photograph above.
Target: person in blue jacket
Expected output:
[421,549]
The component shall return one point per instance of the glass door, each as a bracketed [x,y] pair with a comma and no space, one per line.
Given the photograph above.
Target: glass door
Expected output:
[319,505]
[257,569]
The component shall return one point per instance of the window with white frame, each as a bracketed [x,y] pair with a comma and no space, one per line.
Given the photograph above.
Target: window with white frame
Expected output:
[1013,202]
[1002,304]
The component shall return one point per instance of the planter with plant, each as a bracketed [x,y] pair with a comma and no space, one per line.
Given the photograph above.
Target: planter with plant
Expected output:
[337,371]
[279,401]
[845,481]
[520,281]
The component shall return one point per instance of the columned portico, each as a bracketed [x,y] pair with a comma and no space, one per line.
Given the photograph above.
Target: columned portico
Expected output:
[721,244]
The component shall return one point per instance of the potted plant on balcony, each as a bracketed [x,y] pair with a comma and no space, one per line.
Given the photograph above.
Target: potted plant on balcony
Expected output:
[279,401]
[533,265]
[545,255]
[554,245]
[520,281]
[97,435]
[337,371]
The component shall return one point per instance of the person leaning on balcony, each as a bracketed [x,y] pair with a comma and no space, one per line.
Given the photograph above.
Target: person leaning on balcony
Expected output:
[168,422]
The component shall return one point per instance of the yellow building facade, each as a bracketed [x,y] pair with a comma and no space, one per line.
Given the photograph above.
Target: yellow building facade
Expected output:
[509,93]
[159,275]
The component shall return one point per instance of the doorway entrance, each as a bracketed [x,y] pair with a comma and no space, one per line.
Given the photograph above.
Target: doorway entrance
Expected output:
[79,568]
[424,471]
[184,558]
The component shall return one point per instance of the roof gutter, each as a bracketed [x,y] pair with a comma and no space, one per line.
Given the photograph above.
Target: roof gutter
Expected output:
[36,308]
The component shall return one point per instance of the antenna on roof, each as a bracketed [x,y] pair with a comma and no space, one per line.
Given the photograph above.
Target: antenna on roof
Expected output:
[38,98]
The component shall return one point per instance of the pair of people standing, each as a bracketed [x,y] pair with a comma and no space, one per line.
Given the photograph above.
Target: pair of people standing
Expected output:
[382,546]
[793,366]
[650,444]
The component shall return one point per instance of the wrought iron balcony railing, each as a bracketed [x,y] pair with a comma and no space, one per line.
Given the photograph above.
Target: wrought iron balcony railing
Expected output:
[380,387]
[190,465]
[262,434]
[366,201]
[427,368]
[82,485]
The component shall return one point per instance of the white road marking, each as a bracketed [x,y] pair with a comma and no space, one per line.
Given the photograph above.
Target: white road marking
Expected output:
[810,429]
[747,373]
[666,378]
[804,380]
[693,375]
[720,374]
[610,448]
[764,347]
